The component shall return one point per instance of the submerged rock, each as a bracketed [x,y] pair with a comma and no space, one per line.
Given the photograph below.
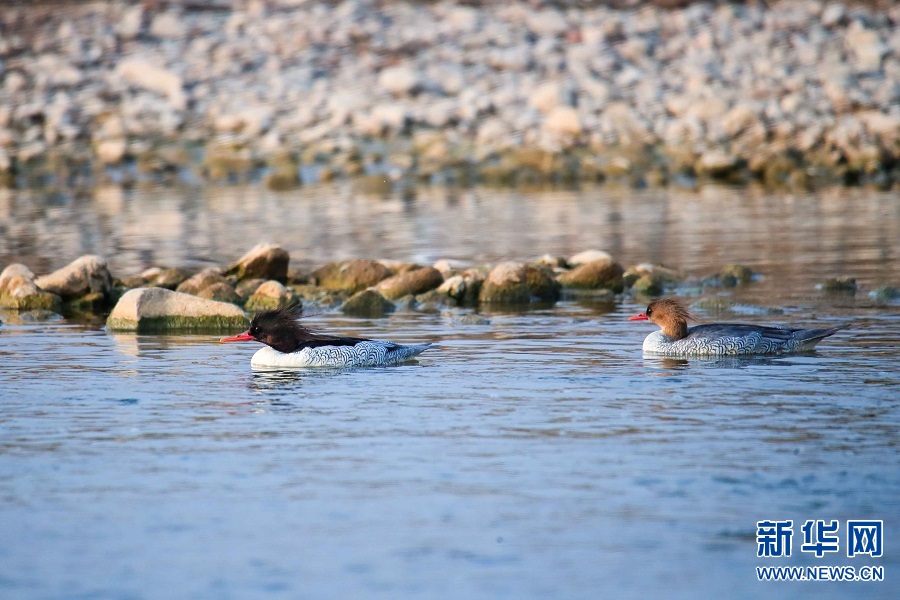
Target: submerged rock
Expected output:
[368,303]
[88,274]
[839,284]
[517,283]
[263,261]
[350,276]
[413,282]
[463,288]
[157,309]
[885,294]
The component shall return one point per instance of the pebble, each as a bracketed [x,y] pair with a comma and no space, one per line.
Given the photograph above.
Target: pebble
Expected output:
[737,81]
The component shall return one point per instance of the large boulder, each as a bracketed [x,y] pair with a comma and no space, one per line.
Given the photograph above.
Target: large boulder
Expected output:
[19,292]
[263,261]
[350,276]
[271,294]
[517,283]
[603,274]
[413,282]
[86,275]
[368,303]
[158,309]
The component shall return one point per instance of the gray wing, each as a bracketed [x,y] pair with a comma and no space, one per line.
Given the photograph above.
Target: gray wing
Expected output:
[715,331]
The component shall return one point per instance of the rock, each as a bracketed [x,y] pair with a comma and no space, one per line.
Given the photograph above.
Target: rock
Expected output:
[399,80]
[350,276]
[732,275]
[197,283]
[839,284]
[369,304]
[546,96]
[448,267]
[149,76]
[866,46]
[312,295]
[271,294]
[131,22]
[588,256]
[563,121]
[12,276]
[146,310]
[554,262]
[603,274]
[168,25]
[463,288]
[648,285]
[885,294]
[434,300]
[413,282]
[247,287]
[518,283]
[717,163]
[220,292]
[168,278]
[19,292]
[263,261]
[85,275]
[111,152]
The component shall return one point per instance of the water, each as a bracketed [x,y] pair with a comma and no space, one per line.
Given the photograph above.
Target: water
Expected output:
[539,455]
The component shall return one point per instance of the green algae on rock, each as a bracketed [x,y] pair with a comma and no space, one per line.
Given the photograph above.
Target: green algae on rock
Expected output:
[156,310]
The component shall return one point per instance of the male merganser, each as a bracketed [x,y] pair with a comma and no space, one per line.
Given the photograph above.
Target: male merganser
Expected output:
[290,344]
[720,339]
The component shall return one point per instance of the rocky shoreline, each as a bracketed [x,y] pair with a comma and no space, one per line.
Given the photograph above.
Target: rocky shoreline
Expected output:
[796,92]
[219,299]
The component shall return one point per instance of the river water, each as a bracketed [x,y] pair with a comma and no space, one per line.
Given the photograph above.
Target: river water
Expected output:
[537,454]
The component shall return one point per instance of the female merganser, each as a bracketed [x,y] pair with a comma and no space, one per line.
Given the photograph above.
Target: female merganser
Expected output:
[720,339]
[290,344]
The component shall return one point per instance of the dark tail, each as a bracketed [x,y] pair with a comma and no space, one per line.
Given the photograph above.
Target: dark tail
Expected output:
[808,338]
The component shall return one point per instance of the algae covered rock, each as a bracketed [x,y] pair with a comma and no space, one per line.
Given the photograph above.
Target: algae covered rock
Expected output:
[269,295]
[733,275]
[413,282]
[840,284]
[18,291]
[517,283]
[602,274]
[88,274]
[368,303]
[263,261]
[350,276]
[147,310]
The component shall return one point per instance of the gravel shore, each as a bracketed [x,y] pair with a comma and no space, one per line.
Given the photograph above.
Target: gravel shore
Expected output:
[798,92]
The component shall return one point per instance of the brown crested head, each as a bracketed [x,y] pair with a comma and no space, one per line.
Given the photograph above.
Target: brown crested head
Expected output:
[670,315]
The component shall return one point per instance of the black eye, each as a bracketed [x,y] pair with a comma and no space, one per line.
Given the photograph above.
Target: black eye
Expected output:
[649,311]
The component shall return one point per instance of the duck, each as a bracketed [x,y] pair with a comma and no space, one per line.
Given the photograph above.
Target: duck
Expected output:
[289,343]
[675,338]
